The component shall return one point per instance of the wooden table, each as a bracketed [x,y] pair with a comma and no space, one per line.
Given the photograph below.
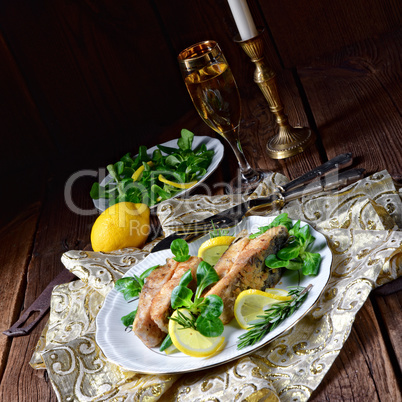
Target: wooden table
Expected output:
[353,100]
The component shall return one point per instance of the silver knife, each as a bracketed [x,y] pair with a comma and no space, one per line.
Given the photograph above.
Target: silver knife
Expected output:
[339,162]
[257,206]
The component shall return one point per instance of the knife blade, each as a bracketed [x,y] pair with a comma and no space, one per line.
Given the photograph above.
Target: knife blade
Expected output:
[264,205]
[167,241]
[337,163]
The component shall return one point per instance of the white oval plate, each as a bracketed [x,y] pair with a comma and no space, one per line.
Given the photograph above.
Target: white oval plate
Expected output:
[125,349]
[211,143]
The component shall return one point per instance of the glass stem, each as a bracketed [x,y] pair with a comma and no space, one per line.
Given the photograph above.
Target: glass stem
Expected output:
[247,172]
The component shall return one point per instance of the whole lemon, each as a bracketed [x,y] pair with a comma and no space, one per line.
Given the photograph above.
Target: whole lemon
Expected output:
[124,224]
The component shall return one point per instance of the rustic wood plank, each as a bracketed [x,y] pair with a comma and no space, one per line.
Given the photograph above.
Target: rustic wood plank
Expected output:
[356,98]
[363,370]
[97,83]
[25,144]
[390,307]
[304,30]
[21,382]
[14,262]
[59,229]
[355,91]
[259,123]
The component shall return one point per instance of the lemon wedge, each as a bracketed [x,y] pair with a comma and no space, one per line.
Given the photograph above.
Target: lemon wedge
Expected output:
[212,249]
[171,349]
[138,173]
[278,294]
[250,304]
[191,342]
[177,185]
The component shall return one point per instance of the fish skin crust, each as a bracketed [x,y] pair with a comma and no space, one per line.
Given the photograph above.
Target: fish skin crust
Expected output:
[249,271]
[242,267]
[144,327]
[229,257]
[161,306]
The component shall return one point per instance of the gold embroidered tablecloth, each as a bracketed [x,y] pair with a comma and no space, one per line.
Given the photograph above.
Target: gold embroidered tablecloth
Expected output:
[362,224]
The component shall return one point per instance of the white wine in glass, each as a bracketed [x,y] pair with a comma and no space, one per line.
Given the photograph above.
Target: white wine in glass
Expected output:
[214,92]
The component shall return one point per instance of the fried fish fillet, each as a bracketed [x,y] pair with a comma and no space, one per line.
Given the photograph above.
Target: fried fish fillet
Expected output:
[249,271]
[144,327]
[229,257]
[161,307]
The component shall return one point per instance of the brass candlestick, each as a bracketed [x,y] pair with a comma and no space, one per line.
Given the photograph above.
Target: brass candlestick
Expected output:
[290,140]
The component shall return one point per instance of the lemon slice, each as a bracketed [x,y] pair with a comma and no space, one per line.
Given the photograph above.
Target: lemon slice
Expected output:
[250,304]
[177,185]
[278,294]
[212,249]
[171,349]
[138,173]
[191,342]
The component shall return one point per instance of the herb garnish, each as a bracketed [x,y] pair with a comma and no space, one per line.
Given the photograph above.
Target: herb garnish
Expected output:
[130,287]
[180,249]
[281,219]
[215,232]
[273,316]
[180,165]
[295,255]
[128,319]
[205,311]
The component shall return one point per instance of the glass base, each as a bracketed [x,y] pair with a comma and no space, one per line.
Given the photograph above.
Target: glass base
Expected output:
[241,185]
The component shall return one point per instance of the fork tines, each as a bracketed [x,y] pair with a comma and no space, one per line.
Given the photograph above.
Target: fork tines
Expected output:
[189,228]
[204,226]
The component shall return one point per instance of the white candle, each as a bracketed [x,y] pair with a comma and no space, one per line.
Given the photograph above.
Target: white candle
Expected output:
[244,20]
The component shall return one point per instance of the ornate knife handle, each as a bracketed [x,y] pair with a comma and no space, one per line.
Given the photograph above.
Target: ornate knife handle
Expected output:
[337,163]
[326,183]
[264,205]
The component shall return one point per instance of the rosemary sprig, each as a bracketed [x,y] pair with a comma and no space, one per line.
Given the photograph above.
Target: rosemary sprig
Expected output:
[184,321]
[273,316]
[217,232]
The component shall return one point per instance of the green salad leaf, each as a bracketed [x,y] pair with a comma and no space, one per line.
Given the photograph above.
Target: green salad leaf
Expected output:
[128,319]
[166,343]
[204,311]
[179,248]
[206,275]
[179,165]
[281,219]
[215,232]
[131,287]
[297,255]
[186,140]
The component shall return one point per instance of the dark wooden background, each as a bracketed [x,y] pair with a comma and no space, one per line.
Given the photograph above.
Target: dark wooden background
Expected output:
[83,82]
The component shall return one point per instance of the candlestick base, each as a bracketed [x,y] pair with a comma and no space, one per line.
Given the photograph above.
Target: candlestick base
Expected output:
[289,140]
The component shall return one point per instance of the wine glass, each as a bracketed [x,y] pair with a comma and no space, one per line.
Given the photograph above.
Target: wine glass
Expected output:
[214,92]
